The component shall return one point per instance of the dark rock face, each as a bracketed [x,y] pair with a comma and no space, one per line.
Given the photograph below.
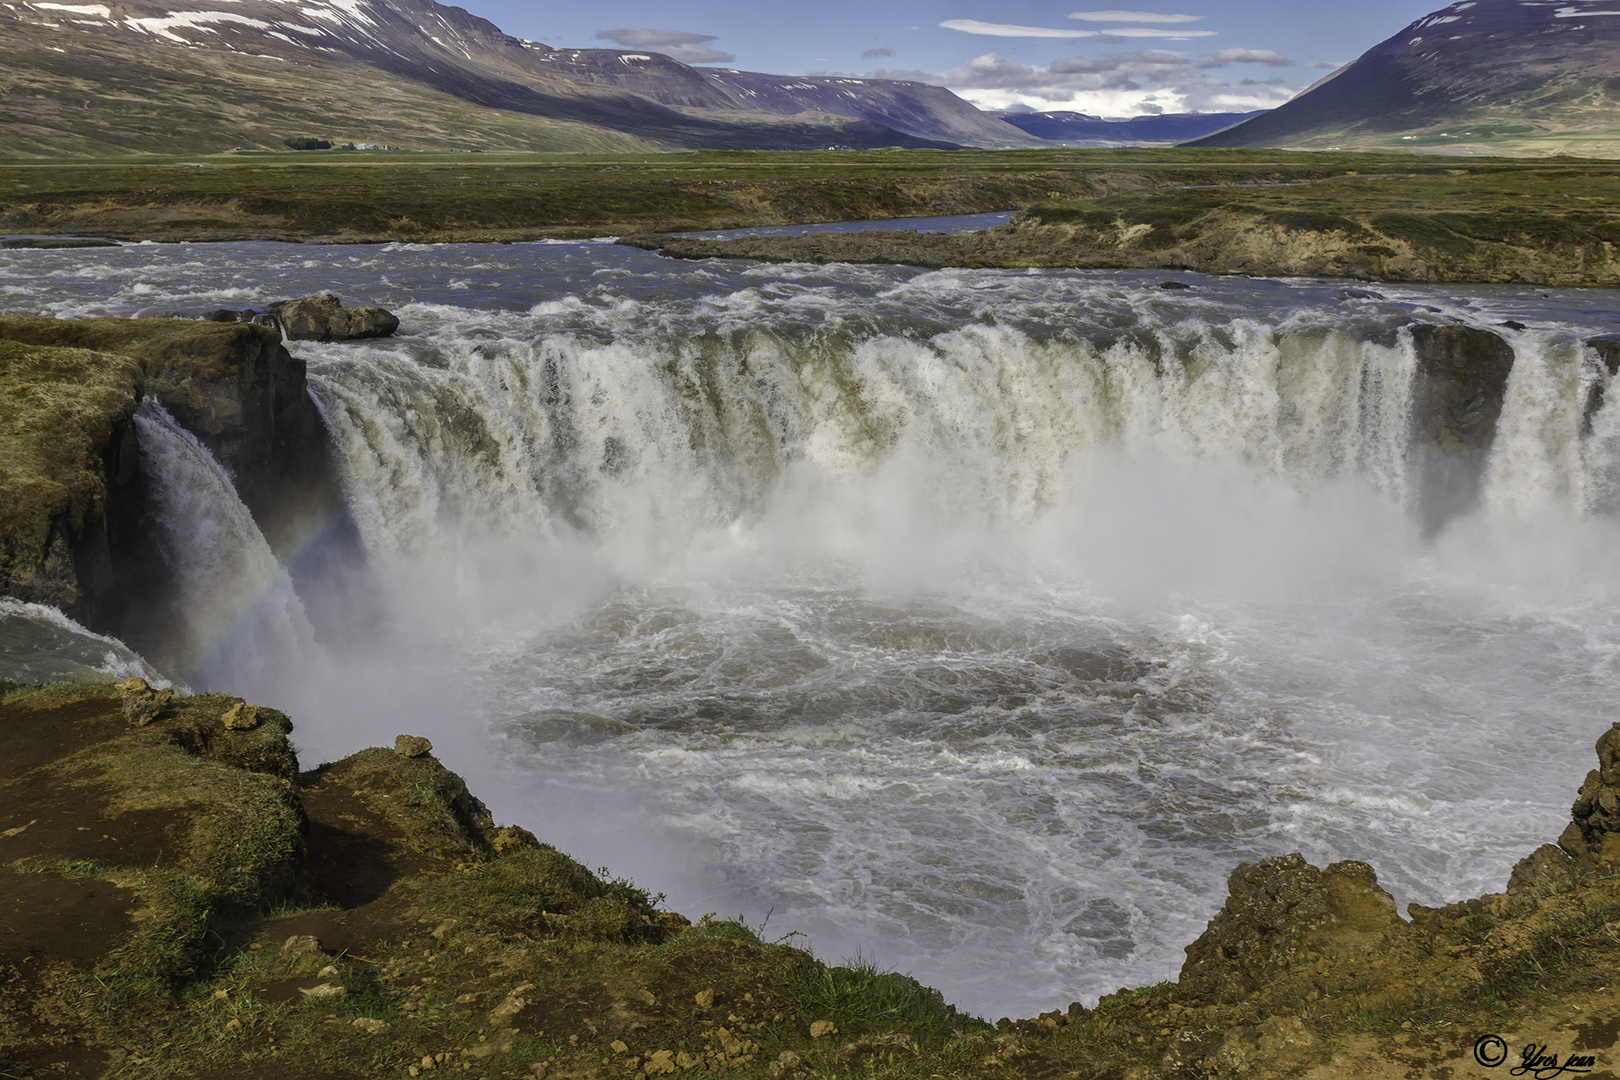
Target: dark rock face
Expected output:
[1608,352]
[1456,401]
[324,318]
[1286,921]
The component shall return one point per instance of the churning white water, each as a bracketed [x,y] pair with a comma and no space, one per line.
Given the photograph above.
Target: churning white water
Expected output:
[980,622]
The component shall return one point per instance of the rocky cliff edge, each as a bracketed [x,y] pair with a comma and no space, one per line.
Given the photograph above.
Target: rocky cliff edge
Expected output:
[178,898]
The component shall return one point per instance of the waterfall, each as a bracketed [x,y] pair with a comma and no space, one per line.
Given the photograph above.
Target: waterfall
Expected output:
[245,628]
[657,440]
[979,621]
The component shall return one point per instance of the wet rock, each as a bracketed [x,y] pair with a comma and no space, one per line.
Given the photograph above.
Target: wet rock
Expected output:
[1608,354]
[1462,375]
[1289,929]
[240,717]
[242,315]
[412,746]
[1174,285]
[324,318]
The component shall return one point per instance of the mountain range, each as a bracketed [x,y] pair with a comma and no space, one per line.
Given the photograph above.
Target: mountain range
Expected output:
[108,77]
[1496,75]
[191,76]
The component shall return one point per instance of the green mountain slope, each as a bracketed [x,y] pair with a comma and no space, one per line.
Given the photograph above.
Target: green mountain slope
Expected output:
[1524,76]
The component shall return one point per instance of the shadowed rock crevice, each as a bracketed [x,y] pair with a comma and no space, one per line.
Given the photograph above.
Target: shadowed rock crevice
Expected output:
[1457,398]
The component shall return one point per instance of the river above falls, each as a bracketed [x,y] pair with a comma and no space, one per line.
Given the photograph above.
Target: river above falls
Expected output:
[975,621]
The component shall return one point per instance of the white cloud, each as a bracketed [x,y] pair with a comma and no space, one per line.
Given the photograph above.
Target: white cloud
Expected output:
[974,26]
[1113,33]
[1132,16]
[682,45]
[1145,32]
[1226,57]
[1115,85]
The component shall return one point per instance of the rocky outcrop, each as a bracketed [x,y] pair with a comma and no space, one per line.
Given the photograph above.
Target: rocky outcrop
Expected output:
[1462,376]
[1596,814]
[185,874]
[79,533]
[1590,843]
[324,318]
[1288,927]
[67,489]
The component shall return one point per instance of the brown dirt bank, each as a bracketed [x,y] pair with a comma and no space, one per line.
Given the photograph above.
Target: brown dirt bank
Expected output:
[177,899]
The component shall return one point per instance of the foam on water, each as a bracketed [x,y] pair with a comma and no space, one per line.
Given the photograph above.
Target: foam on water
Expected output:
[979,621]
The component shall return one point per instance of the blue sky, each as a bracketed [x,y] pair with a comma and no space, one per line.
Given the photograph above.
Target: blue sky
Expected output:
[1197,56]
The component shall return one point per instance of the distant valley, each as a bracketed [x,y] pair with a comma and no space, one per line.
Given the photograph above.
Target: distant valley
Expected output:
[1083,130]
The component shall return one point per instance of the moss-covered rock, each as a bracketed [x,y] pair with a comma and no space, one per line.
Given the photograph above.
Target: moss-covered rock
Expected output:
[66,441]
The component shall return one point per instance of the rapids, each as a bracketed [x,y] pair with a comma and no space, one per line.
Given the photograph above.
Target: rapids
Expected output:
[975,621]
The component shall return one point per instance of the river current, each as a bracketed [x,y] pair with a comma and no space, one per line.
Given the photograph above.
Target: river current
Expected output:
[977,622]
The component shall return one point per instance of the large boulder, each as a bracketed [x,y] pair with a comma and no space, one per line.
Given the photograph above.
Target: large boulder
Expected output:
[324,318]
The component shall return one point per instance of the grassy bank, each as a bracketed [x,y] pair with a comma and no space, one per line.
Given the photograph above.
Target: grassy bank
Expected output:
[373,196]
[1379,217]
